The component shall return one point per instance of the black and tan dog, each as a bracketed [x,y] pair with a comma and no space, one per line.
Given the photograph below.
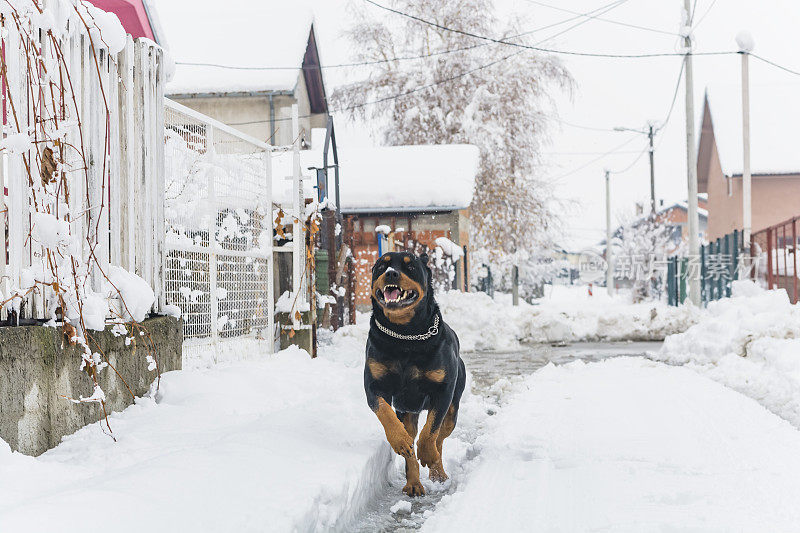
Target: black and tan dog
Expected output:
[413,364]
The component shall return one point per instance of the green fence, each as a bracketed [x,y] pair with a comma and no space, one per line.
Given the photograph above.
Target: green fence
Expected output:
[717,266]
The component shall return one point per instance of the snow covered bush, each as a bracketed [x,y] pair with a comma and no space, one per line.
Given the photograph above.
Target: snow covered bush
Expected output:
[640,249]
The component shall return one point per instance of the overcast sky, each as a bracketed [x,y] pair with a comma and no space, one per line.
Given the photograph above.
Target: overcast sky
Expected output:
[620,92]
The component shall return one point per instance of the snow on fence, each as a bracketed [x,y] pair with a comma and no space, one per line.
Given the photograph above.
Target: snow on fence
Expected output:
[219,222]
[81,160]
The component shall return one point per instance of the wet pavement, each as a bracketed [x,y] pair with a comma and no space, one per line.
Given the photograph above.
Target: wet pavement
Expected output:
[488,367]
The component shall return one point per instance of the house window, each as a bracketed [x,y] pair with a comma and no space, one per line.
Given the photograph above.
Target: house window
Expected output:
[730,186]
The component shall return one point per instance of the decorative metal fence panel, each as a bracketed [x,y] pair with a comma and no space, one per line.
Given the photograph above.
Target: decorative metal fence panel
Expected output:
[219,231]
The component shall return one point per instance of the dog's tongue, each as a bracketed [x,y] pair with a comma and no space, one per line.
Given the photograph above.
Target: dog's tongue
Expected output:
[392,294]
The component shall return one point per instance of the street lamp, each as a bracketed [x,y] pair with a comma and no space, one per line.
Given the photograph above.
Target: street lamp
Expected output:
[745,42]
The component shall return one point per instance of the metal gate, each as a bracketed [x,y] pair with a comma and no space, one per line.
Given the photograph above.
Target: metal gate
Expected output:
[219,233]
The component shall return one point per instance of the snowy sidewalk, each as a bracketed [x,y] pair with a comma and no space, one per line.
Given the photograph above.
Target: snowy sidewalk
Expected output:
[628,445]
[279,444]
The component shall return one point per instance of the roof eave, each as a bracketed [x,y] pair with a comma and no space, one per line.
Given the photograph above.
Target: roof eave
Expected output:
[404,209]
[765,174]
[226,94]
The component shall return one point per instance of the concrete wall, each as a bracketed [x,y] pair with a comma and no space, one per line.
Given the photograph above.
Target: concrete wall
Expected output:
[37,367]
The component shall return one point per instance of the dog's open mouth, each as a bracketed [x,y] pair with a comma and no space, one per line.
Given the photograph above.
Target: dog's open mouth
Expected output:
[395,296]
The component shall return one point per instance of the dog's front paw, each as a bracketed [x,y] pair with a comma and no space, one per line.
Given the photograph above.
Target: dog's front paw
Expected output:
[414,488]
[427,452]
[436,473]
[401,442]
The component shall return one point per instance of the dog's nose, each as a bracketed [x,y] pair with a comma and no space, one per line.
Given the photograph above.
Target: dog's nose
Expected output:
[392,275]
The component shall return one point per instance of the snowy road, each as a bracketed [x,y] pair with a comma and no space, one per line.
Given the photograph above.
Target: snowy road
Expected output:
[618,444]
[493,375]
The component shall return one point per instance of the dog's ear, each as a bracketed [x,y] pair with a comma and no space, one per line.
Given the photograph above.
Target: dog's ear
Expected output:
[424,259]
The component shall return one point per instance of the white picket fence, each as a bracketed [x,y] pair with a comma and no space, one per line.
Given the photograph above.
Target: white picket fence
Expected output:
[111,154]
[159,189]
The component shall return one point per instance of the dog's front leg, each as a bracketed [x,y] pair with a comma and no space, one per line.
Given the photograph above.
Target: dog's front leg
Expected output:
[399,439]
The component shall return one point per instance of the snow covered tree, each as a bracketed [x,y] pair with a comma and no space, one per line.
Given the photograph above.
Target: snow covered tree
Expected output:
[640,249]
[465,90]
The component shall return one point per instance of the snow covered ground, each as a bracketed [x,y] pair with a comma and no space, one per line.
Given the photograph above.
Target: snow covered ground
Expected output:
[246,442]
[565,314]
[279,444]
[627,445]
[749,342]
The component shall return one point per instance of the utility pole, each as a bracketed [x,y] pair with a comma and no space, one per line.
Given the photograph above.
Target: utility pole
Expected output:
[745,42]
[650,135]
[609,254]
[691,163]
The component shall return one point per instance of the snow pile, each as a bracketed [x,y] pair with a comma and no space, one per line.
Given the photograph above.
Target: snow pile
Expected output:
[750,342]
[403,506]
[50,231]
[136,293]
[16,143]
[606,447]
[450,248]
[105,29]
[253,439]
[567,314]
[745,41]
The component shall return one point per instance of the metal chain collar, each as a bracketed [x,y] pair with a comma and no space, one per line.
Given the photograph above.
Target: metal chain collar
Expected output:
[433,330]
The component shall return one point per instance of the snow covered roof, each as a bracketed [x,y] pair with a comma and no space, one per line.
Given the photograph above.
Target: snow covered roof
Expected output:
[391,178]
[239,33]
[683,206]
[774,120]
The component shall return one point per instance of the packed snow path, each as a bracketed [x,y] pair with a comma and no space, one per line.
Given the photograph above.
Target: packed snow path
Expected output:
[628,444]
[492,375]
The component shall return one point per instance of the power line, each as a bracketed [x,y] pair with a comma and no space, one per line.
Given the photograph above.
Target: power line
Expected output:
[578,126]
[707,11]
[615,4]
[639,153]
[540,49]
[591,153]
[638,157]
[674,96]
[610,21]
[595,160]
[767,61]
[607,8]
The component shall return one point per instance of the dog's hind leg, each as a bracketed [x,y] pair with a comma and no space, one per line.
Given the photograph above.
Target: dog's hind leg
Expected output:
[413,485]
[436,470]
